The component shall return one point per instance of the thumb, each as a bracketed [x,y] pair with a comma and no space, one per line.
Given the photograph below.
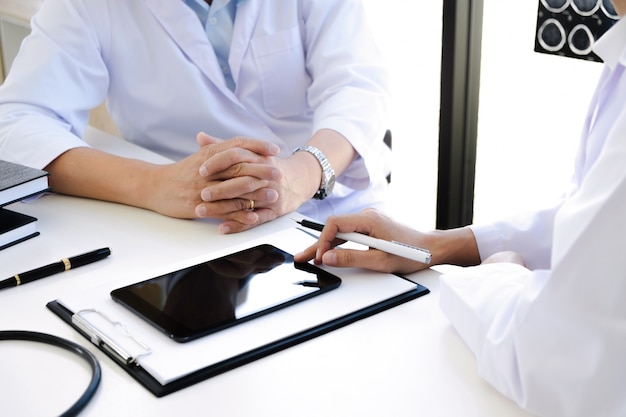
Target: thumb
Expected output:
[204,139]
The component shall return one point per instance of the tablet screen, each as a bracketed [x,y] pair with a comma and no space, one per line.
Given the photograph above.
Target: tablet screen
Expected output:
[216,294]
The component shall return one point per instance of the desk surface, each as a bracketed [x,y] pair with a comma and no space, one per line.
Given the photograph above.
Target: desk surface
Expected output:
[405,361]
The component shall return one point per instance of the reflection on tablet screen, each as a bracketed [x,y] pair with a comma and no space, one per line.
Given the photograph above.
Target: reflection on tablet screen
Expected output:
[213,295]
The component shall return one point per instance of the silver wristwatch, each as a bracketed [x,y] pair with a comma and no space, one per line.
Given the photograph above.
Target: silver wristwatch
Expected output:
[328,173]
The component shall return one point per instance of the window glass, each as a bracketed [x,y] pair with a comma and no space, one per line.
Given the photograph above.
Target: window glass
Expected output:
[532,108]
[409,35]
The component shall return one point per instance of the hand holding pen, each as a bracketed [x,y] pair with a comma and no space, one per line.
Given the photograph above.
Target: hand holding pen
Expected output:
[375,230]
[64,264]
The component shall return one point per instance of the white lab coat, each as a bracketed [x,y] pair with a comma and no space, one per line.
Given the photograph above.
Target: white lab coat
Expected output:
[553,337]
[299,66]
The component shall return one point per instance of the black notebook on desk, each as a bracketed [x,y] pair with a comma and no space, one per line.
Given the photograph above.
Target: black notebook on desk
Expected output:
[18,182]
[164,366]
[16,227]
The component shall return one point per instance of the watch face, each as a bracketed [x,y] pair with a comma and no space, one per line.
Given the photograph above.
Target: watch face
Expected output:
[325,191]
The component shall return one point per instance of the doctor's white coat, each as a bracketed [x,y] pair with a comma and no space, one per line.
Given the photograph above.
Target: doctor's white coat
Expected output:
[299,66]
[553,337]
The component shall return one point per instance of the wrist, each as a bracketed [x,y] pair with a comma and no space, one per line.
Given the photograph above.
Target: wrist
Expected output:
[304,173]
[142,186]
[454,246]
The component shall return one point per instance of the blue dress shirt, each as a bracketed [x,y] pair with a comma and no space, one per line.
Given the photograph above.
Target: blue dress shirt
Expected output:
[218,20]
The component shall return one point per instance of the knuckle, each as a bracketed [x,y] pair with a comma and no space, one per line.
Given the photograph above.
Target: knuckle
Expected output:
[248,185]
[372,213]
[232,156]
[346,257]
[254,184]
[236,169]
[238,141]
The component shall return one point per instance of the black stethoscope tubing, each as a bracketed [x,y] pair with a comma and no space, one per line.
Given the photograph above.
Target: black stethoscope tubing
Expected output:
[96,372]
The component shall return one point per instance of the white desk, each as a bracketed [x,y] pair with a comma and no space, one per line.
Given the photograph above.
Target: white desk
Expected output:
[407,361]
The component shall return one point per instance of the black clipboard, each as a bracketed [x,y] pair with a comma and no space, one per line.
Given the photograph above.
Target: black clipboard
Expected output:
[159,390]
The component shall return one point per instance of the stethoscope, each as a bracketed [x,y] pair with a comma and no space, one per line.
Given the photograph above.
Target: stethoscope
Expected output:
[96,372]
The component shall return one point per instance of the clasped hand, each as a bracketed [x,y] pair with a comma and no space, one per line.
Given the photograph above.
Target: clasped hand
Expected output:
[225,179]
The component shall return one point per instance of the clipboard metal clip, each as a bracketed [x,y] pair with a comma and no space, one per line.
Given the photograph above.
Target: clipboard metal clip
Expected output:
[102,340]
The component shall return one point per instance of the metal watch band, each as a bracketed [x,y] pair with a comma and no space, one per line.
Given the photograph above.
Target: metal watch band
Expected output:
[328,173]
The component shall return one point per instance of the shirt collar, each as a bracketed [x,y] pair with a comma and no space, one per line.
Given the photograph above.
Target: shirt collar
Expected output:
[611,46]
[217,4]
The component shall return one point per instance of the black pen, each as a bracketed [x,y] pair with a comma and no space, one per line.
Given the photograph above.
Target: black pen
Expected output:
[64,264]
[393,247]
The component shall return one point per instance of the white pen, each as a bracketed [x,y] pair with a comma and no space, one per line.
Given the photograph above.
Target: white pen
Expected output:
[393,247]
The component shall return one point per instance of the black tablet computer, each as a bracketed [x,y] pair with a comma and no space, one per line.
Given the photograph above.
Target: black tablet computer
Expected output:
[204,298]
